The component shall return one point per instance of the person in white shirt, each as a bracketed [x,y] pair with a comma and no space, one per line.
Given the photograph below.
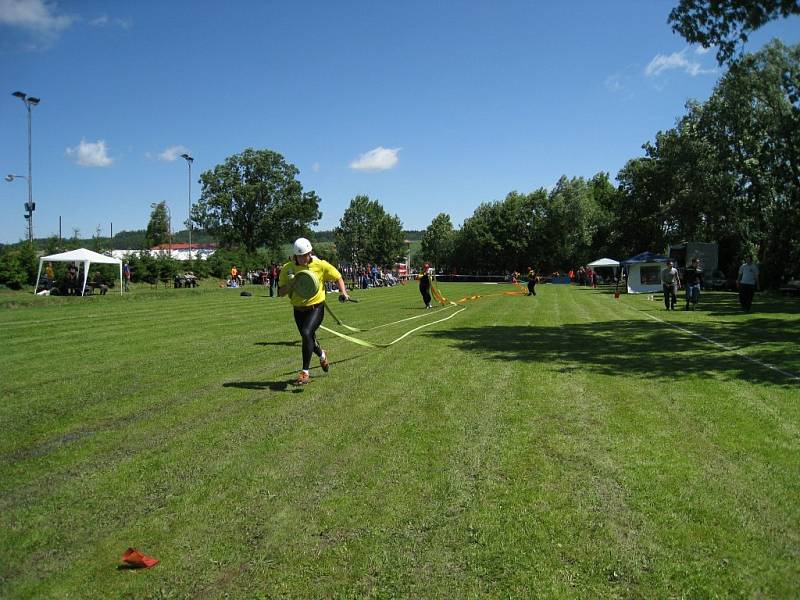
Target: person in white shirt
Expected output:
[669,283]
[747,282]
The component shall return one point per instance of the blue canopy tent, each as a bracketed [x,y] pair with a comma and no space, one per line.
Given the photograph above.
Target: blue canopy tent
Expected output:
[644,272]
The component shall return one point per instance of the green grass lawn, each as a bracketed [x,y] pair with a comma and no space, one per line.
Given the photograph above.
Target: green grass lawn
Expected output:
[564,445]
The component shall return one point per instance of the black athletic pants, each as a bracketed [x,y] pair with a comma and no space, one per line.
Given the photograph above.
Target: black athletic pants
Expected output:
[746,293]
[531,288]
[308,321]
[670,298]
[426,295]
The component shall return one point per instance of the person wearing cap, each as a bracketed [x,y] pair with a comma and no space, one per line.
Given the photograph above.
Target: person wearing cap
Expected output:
[309,310]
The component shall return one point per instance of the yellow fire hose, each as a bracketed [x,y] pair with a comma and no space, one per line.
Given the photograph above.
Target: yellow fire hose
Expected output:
[439,298]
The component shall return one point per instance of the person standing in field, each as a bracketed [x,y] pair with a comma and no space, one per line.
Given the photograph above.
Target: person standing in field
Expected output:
[126,276]
[747,282]
[425,285]
[72,279]
[693,280]
[670,281]
[234,276]
[531,282]
[274,271]
[309,312]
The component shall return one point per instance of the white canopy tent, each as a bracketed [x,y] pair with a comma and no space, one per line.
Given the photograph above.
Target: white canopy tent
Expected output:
[84,256]
[604,262]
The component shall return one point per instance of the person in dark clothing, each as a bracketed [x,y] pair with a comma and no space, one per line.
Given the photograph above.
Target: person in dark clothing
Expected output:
[274,272]
[425,285]
[693,279]
[531,282]
[72,280]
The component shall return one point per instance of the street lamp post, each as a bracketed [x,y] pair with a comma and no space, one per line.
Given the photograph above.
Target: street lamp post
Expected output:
[28,207]
[28,101]
[189,160]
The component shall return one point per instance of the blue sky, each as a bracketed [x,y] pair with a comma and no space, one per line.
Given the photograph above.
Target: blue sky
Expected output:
[427,107]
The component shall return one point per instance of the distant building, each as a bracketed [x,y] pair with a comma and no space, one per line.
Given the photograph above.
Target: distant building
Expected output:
[180,251]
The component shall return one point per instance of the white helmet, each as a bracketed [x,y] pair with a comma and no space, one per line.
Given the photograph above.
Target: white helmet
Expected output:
[302,246]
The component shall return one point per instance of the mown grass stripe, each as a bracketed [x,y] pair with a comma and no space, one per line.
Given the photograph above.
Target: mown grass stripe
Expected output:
[558,445]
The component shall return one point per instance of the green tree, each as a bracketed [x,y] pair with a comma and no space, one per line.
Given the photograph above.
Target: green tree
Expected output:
[476,245]
[504,236]
[327,251]
[388,242]
[437,241]
[99,243]
[19,265]
[255,199]
[52,245]
[753,121]
[158,229]
[130,240]
[729,171]
[606,242]
[367,234]
[354,232]
[639,222]
[682,190]
[726,23]
[569,224]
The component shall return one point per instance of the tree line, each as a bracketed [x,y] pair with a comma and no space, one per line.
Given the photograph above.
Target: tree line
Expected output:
[728,172]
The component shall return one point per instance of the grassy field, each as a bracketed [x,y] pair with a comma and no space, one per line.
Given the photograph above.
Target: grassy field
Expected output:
[564,445]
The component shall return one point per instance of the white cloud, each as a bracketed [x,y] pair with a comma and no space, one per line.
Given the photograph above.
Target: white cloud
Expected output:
[676,60]
[173,153]
[613,83]
[34,15]
[377,159]
[105,21]
[315,167]
[701,50]
[90,154]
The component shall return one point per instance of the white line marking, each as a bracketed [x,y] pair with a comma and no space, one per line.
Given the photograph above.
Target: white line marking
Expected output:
[428,325]
[362,342]
[425,314]
[718,344]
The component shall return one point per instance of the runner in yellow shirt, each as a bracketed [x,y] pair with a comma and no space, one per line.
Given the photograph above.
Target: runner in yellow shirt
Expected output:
[309,312]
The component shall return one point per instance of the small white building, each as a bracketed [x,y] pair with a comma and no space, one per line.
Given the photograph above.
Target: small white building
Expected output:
[644,272]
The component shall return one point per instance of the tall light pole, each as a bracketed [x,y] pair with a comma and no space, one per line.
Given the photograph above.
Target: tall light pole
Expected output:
[189,160]
[29,101]
[11,177]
